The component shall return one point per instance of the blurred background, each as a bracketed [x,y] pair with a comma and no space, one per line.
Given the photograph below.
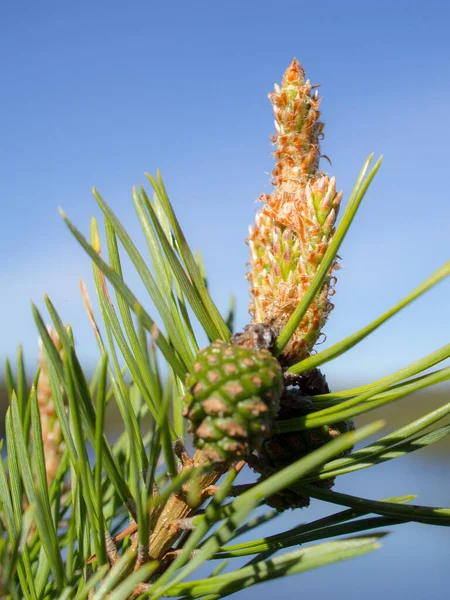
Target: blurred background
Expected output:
[97,93]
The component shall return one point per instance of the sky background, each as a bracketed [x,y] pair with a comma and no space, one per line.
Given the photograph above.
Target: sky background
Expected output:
[97,93]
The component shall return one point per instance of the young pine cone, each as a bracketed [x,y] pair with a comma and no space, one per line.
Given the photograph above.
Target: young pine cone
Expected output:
[233,395]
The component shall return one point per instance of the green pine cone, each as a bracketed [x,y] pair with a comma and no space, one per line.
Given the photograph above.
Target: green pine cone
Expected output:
[233,396]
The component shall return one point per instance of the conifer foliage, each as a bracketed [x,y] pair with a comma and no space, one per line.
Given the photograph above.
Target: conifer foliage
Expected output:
[83,516]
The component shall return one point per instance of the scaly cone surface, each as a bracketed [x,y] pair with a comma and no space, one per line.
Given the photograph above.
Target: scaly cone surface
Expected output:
[233,395]
[293,230]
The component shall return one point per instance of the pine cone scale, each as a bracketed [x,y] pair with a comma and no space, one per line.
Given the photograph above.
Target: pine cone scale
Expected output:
[231,410]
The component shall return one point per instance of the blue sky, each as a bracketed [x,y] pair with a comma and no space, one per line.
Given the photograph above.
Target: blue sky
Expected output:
[97,93]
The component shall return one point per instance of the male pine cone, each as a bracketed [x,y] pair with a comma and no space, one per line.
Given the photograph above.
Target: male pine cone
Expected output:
[233,396]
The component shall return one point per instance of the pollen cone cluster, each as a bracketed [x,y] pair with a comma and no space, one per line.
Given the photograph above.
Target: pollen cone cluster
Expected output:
[293,230]
[51,429]
[233,395]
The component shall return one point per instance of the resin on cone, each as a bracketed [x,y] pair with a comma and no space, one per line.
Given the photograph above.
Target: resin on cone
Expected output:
[233,396]
[292,232]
